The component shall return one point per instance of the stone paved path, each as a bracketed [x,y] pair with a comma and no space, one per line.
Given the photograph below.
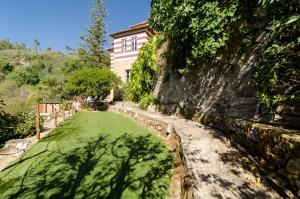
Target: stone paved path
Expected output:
[215,168]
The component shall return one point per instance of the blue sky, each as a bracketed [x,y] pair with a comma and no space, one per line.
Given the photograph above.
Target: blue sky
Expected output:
[56,23]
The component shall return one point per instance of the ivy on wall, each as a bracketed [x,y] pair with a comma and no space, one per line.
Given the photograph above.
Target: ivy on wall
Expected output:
[277,78]
[202,30]
[143,78]
[195,28]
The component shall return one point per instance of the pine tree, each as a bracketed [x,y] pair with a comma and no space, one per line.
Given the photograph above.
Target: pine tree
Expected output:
[92,50]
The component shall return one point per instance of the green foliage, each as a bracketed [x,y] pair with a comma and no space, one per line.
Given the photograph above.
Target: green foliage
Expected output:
[15,126]
[92,52]
[6,124]
[5,68]
[36,45]
[45,73]
[5,44]
[143,71]
[52,88]
[67,104]
[146,100]
[72,65]
[210,30]
[194,28]
[25,124]
[277,77]
[91,82]
[24,76]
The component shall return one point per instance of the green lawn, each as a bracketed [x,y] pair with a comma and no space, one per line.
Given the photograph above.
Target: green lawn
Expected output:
[93,155]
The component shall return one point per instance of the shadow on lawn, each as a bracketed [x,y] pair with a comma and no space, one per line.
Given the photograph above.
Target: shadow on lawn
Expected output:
[100,169]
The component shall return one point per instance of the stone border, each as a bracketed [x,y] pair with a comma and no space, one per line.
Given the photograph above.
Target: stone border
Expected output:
[180,185]
[158,124]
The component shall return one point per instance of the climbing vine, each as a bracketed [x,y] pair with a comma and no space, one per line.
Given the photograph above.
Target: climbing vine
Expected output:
[194,28]
[201,30]
[143,71]
[277,77]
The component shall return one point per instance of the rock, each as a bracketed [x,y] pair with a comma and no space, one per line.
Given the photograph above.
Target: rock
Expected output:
[151,108]
[293,166]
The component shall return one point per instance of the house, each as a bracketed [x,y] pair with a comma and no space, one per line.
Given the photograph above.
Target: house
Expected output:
[126,45]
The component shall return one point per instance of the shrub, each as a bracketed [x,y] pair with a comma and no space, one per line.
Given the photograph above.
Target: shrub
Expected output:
[146,101]
[22,77]
[7,124]
[25,124]
[5,67]
[91,82]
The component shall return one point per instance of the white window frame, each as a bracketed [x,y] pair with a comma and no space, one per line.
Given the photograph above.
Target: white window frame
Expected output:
[127,74]
[124,45]
[134,43]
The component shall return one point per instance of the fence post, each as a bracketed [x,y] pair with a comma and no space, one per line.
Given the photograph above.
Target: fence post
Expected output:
[55,117]
[69,110]
[37,122]
[63,112]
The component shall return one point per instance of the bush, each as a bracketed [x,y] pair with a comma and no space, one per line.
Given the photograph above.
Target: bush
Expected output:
[5,68]
[7,123]
[25,124]
[146,101]
[17,126]
[22,77]
[91,82]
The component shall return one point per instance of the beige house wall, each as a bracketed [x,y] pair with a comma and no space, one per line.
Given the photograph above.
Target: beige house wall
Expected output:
[120,67]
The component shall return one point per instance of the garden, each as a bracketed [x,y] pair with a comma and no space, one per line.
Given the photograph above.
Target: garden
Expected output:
[92,155]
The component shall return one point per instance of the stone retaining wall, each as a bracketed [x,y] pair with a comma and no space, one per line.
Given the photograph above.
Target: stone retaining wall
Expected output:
[275,148]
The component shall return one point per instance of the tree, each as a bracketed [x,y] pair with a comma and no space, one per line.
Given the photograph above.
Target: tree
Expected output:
[5,44]
[36,45]
[48,49]
[92,50]
[20,46]
[91,82]
[68,48]
[52,88]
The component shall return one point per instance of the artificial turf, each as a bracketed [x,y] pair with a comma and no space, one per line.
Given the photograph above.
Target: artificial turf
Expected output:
[92,155]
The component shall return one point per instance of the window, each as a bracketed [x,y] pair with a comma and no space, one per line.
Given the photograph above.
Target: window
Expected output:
[127,75]
[124,45]
[134,43]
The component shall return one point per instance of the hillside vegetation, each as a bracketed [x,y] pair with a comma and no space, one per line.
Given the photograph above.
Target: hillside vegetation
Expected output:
[25,77]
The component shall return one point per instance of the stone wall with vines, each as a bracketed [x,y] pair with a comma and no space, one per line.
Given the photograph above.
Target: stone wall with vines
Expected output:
[209,31]
[234,65]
